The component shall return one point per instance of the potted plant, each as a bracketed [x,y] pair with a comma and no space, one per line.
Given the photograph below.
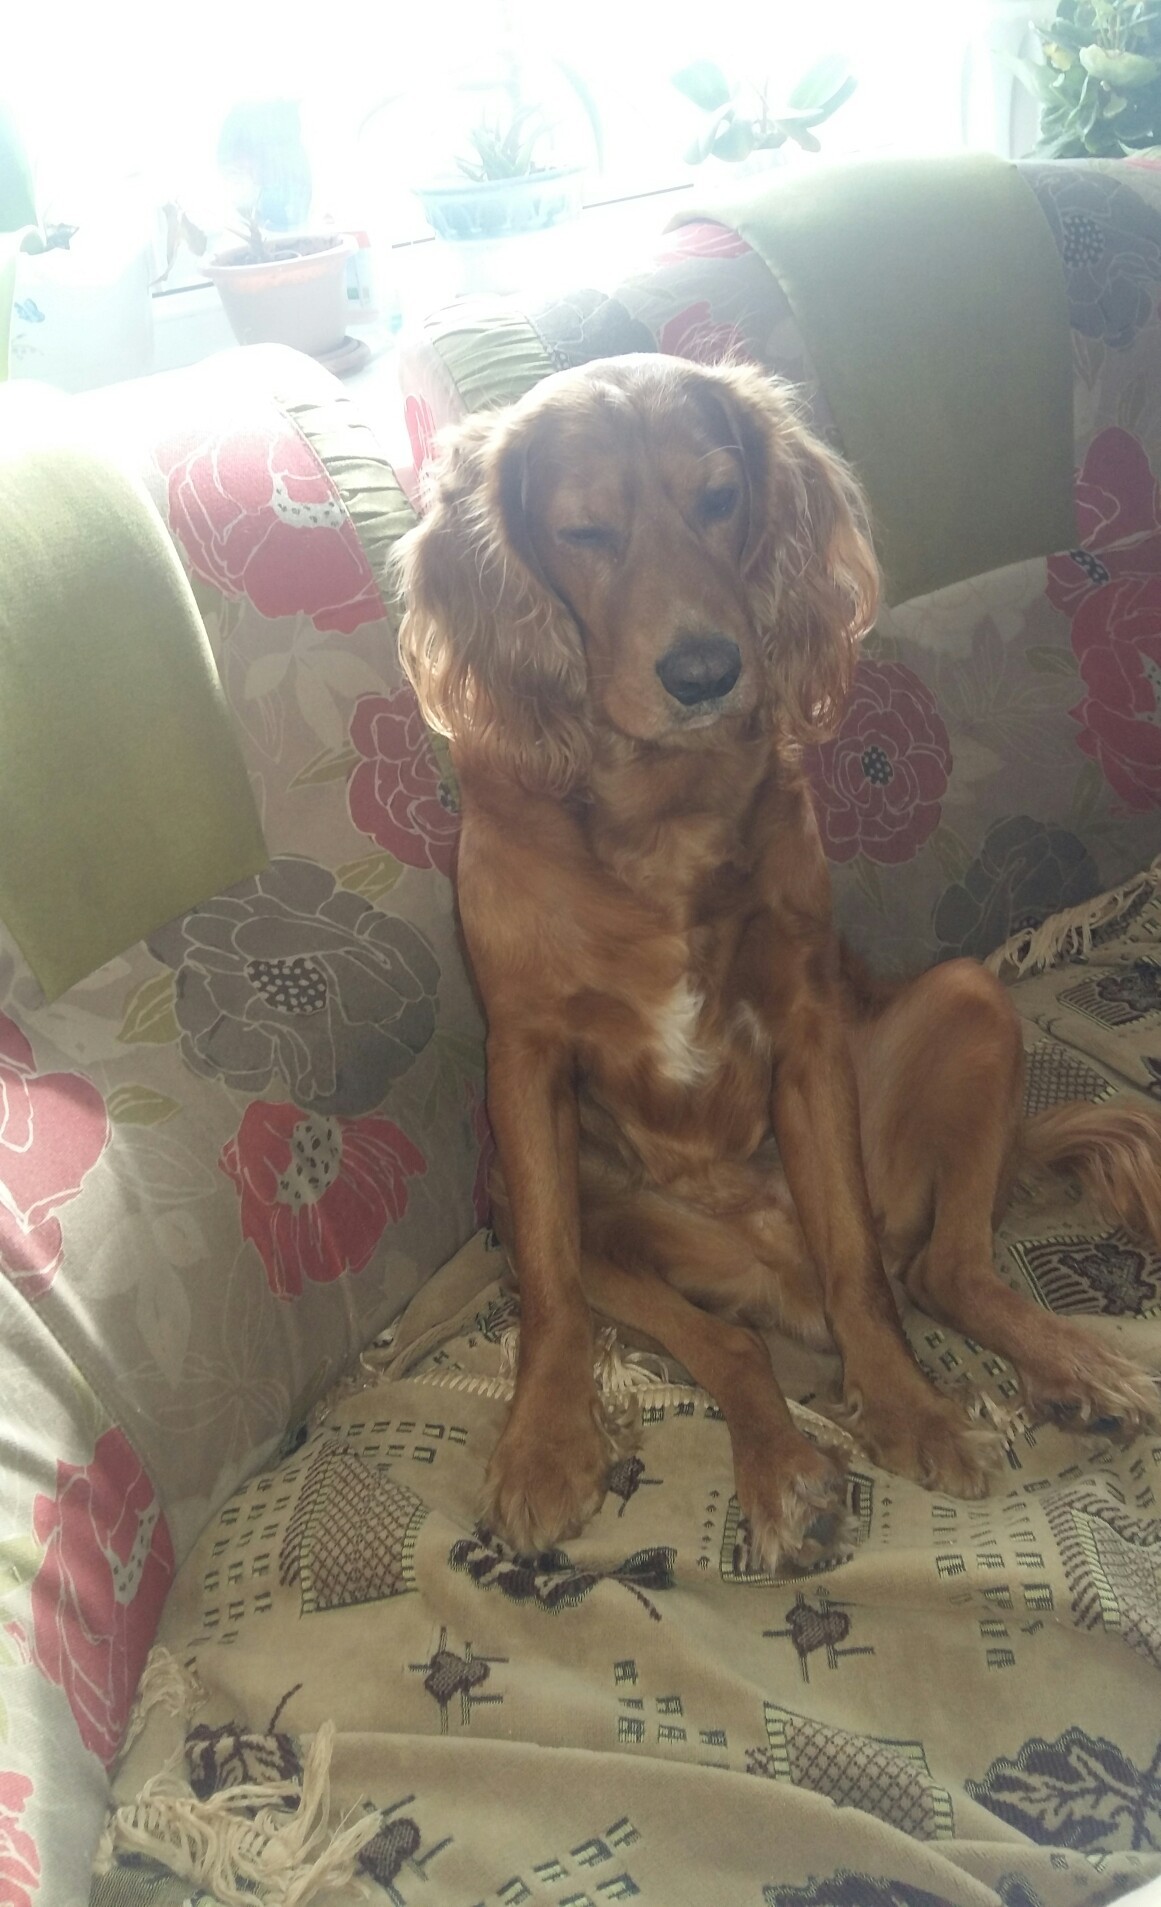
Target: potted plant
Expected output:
[285,288]
[749,117]
[1099,84]
[503,184]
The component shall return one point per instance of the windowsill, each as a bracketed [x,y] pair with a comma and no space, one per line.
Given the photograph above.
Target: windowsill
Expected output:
[422,274]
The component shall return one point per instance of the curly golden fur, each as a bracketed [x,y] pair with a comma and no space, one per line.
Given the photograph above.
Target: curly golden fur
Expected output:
[634,597]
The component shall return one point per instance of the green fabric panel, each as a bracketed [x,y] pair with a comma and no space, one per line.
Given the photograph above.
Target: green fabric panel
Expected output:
[124,796]
[492,357]
[371,492]
[930,295]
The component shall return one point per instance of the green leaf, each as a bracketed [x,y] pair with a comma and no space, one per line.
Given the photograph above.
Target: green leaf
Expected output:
[372,876]
[805,139]
[823,86]
[151,1017]
[1124,71]
[1133,402]
[951,852]
[1049,659]
[734,141]
[467,1055]
[265,674]
[140,1106]
[20,1558]
[869,881]
[704,83]
[1088,797]
[332,764]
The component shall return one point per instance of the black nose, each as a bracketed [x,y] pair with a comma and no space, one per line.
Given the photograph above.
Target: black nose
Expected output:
[700,669]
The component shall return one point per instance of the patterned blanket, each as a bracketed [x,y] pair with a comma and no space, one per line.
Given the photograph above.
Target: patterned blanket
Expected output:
[356,1687]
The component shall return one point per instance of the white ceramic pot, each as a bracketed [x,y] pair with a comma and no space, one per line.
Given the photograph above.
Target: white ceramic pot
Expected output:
[83,317]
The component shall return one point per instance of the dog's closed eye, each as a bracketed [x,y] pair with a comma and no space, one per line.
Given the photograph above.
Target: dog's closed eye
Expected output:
[717,504]
[589,536]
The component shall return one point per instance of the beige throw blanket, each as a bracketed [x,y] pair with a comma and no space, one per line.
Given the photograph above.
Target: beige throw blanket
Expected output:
[355,1685]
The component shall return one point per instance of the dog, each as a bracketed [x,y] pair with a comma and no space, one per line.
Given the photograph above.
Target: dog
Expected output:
[635,596]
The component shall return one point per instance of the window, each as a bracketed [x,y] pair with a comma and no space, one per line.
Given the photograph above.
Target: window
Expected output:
[124,106]
[131,96]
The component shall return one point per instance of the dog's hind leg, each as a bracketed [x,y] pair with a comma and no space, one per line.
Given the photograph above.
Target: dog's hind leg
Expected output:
[942,1141]
[730,1244]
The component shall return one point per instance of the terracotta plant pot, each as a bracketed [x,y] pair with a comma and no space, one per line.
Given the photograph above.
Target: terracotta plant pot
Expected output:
[299,297]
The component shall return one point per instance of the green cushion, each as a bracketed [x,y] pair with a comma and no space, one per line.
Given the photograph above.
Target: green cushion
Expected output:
[930,296]
[122,786]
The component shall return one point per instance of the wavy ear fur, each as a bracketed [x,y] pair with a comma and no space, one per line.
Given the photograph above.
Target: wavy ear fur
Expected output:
[494,656]
[808,562]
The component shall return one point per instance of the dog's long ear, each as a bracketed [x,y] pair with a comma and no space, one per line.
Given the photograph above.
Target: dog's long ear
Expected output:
[495,657]
[808,560]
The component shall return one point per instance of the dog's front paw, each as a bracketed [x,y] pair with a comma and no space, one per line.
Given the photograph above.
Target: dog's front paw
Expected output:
[545,1481]
[931,1439]
[794,1509]
[1091,1388]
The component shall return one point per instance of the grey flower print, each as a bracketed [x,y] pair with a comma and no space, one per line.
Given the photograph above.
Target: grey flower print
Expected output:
[589,325]
[1110,242]
[1025,870]
[290,976]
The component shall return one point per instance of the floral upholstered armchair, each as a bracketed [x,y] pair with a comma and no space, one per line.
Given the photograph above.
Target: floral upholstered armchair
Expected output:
[238,1564]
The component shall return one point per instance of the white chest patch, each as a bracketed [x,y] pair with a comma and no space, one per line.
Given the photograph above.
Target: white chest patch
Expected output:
[679,1056]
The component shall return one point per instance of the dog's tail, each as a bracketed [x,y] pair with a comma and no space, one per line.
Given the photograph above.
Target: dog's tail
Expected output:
[1114,1151]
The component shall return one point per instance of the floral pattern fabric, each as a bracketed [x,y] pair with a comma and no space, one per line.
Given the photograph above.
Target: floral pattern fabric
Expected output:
[290,976]
[19,1856]
[53,1129]
[229,1156]
[106,1566]
[260,520]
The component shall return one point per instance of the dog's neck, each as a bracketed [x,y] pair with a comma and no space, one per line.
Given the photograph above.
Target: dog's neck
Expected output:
[666,820]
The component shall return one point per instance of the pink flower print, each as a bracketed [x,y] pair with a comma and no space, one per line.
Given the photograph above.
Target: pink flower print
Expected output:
[53,1129]
[259,516]
[879,783]
[19,1856]
[317,1192]
[396,793]
[701,238]
[98,1594]
[694,334]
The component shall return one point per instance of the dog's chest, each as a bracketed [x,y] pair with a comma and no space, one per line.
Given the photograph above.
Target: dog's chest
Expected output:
[681,1053]
[683,1062]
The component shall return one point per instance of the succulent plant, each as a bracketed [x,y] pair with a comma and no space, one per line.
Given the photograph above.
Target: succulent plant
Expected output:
[1099,84]
[506,150]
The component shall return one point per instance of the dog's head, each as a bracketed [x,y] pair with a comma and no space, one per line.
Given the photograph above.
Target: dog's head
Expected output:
[641,544]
